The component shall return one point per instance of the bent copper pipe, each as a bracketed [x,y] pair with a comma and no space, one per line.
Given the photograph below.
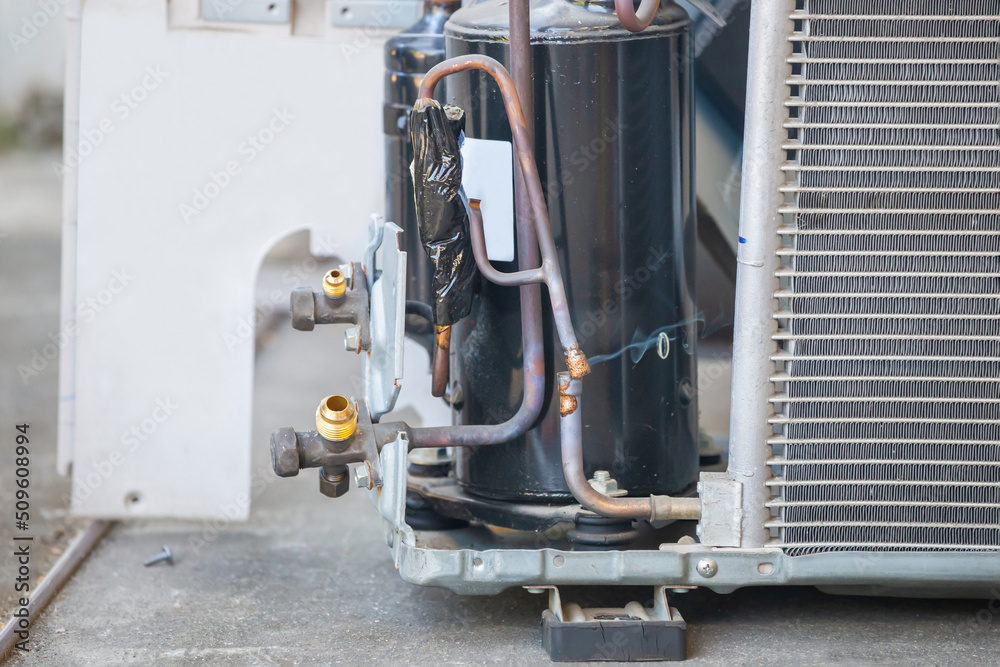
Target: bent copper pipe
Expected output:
[636,20]
[528,277]
[439,368]
[653,508]
[576,361]
[533,370]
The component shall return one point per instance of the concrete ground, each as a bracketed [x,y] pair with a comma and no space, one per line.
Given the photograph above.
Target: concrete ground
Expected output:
[308,580]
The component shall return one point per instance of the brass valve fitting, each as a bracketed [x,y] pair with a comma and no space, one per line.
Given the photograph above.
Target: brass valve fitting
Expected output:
[336,418]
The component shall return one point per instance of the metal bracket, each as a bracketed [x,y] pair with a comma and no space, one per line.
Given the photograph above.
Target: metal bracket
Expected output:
[384,363]
[247,11]
[721,510]
[374,13]
[628,634]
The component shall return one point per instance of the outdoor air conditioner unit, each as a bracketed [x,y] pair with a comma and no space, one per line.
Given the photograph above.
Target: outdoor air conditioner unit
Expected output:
[864,449]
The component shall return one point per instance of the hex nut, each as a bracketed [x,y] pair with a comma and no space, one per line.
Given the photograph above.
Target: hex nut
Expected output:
[603,483]
[352,339]
[285,452]
[335,485]
[303,307]
[362,476]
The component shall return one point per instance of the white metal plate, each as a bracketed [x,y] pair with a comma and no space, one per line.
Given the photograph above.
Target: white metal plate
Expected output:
[488,175]
[157,400]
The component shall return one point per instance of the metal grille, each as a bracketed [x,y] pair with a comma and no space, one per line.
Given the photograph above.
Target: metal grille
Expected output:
[887,376]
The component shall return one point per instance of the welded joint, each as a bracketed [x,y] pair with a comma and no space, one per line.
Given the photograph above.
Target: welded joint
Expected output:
[567,401]
[576,362]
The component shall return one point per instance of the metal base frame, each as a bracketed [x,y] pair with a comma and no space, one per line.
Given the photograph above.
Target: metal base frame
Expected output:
[421,560]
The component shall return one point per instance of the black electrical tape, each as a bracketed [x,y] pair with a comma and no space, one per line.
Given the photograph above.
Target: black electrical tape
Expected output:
[437,134]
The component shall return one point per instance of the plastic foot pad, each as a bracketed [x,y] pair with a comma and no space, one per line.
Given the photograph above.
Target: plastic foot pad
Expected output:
[620,640]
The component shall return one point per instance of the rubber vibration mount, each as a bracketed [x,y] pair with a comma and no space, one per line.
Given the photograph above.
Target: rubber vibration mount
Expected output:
[613,639]
[632,633]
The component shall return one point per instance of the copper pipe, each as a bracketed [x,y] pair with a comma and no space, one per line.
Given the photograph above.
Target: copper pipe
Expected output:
[533,371]
[653,508]
[439,368]
[519,17]
[576,362]
[528,277]
[636,21]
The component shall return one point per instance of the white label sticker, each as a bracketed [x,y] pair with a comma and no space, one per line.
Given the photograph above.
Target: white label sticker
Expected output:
[488,175]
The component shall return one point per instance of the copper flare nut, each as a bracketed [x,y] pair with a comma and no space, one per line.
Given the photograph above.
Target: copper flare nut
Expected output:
[336,418]
[567,402]
[576,362]
[335,283]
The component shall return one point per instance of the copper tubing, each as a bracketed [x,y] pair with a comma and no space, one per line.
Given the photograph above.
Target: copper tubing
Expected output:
[653,508]
[636,21]
[439,367]
[576,362]
[482,260]
[534,363]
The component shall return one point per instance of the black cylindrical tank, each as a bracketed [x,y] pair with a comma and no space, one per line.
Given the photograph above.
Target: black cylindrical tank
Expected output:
[613,142]
[408,56]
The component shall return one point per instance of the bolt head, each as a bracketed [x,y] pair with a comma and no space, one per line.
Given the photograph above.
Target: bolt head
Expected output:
[352,339]
[285,452]
[707,568]
[334,486]
[303,309]
[363,477]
